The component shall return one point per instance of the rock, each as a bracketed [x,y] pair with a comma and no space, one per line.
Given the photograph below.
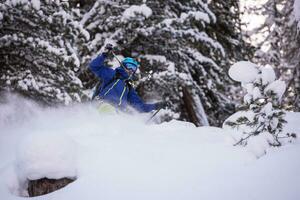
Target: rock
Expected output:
[44,186]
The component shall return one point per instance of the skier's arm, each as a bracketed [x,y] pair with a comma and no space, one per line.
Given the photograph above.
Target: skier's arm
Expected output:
[136,102]
[98,68]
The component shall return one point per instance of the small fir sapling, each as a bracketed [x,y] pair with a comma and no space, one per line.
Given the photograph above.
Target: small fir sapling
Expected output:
[262,102]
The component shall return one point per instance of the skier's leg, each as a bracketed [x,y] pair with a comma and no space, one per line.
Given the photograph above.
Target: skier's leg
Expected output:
[106,108]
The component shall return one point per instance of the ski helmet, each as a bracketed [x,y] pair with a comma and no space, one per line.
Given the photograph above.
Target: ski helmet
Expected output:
[130,63]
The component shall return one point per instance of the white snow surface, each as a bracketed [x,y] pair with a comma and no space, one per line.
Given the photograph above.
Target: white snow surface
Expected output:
[121,157]
[48,155]
[244,71]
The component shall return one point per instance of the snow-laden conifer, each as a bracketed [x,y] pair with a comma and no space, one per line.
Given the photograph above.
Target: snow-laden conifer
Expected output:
[279,43]
[38,50]
[291,46]
[262,115]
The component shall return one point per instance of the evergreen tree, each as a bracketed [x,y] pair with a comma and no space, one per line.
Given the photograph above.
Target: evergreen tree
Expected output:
[264,115]
[228,30]
[38,48]
[281,44]
[291,54]
[269,49]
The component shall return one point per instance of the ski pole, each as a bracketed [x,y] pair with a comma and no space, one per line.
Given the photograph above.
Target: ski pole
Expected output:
[153,116]
[113,53]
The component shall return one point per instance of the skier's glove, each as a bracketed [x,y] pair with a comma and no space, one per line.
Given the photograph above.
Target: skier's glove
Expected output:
[108,49]
[162,105]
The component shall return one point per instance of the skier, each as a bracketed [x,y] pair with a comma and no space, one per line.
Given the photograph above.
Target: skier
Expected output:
[116,91]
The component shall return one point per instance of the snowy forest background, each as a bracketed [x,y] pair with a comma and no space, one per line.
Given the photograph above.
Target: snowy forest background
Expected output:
[185,49]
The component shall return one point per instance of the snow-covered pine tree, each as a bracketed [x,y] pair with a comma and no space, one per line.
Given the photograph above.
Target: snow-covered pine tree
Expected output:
[262,114]
[280,44]
[269,49]
[38,50]
[228,30]
[175,41]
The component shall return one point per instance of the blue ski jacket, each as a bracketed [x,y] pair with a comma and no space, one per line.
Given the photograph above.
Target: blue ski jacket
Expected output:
[114,89]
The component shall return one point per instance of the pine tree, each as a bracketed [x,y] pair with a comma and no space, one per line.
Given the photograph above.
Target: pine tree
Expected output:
[38,50]
[269,49]
[228,30]
[280,45]
[264,115]
[291,54]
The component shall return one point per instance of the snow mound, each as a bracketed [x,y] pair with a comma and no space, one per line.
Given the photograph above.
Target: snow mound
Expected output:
[258,145]
[121,157]
[43,155]
[244,71]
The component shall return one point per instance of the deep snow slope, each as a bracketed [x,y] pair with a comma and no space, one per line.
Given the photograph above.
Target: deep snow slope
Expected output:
[120,157]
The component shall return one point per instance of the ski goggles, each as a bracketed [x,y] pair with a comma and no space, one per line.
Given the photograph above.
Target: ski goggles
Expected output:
[130,66]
